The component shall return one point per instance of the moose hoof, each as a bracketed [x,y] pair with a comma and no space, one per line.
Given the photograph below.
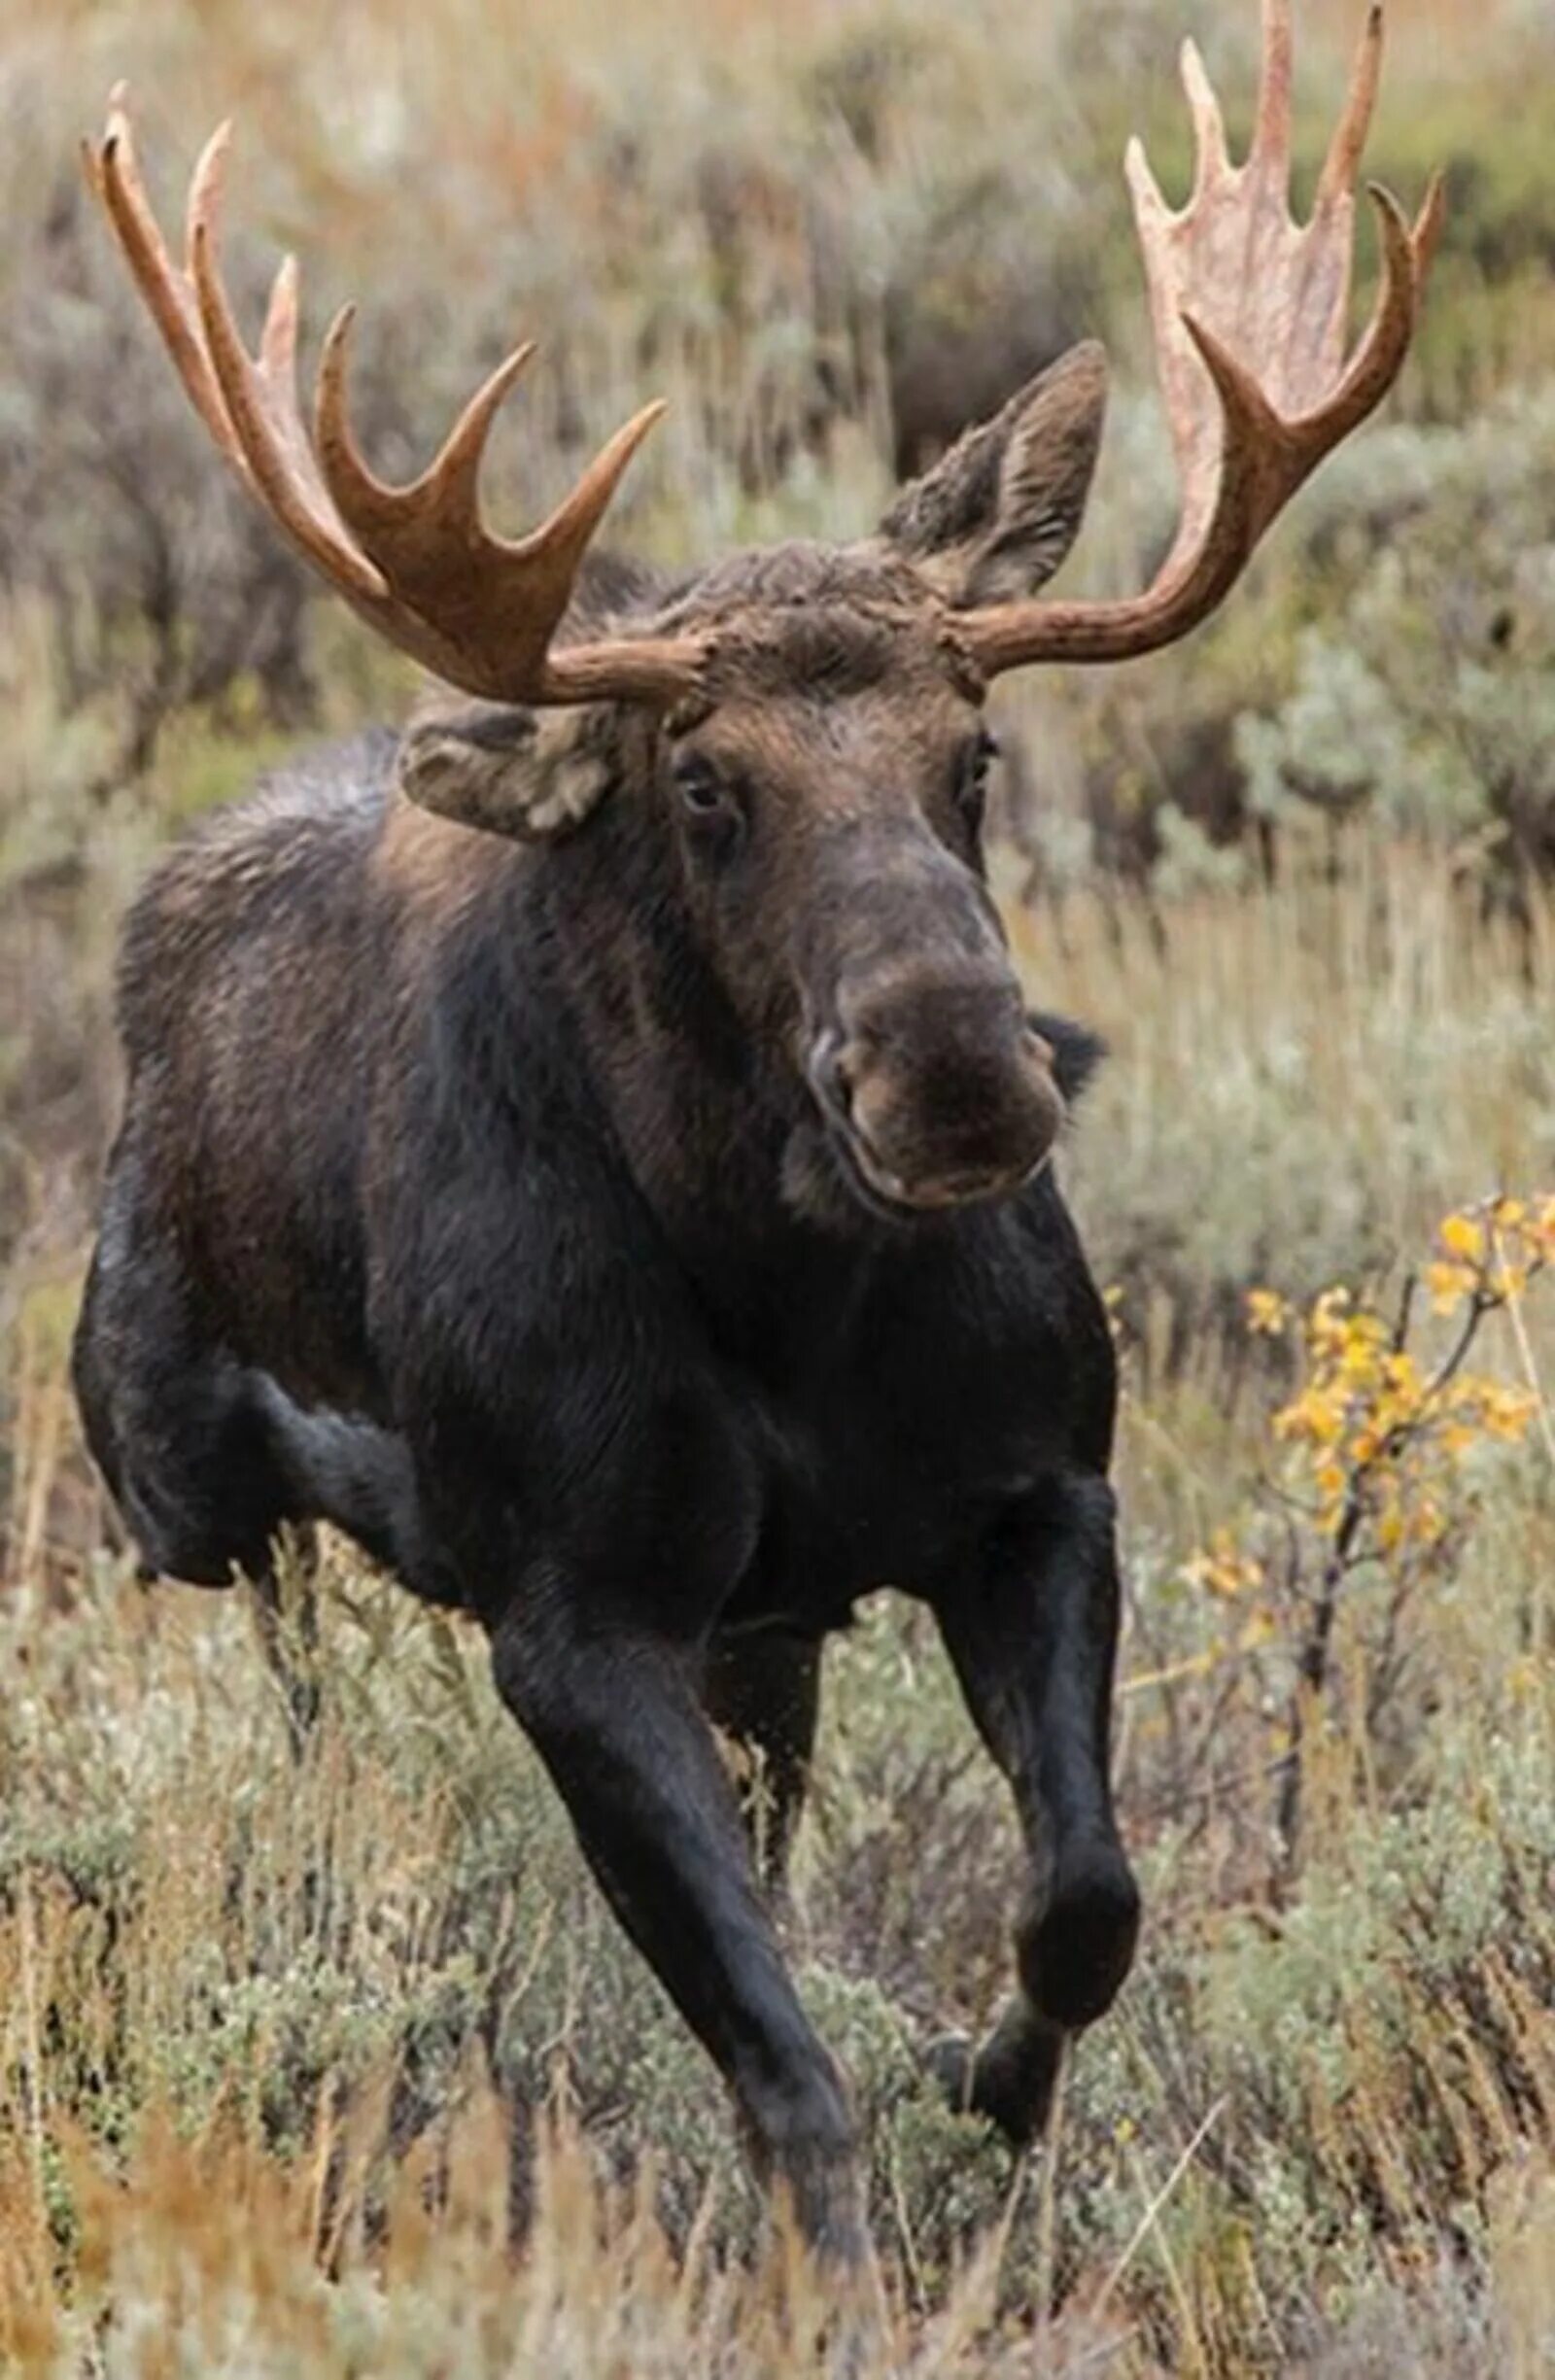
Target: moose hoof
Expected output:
[1074,1960]
[950,2060]
[1008,2082]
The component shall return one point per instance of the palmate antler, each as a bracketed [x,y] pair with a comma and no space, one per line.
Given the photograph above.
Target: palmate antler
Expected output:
[417,562]
[1248,312]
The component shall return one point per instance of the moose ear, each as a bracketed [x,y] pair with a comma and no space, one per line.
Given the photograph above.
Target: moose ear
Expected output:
[998,514]
[524,774]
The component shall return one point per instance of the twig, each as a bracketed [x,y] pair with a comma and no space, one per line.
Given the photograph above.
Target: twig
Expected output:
[1312,1665]
[1048,2203]
[1152,2213]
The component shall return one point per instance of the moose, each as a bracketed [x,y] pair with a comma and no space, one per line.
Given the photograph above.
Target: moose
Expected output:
[592,1147]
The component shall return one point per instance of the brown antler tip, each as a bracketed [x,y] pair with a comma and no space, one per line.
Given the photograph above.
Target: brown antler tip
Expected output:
[112,170]
[627,439]
[1428,222]
[115,132]
[1408,251]
[211,159]
[207,183]
[1145,192]
[330,394]
[619,450]
[1394,225]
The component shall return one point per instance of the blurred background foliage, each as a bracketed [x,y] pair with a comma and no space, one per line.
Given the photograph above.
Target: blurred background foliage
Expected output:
[1300,873]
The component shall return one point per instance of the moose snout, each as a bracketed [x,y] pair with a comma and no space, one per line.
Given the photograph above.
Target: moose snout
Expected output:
[938,1089]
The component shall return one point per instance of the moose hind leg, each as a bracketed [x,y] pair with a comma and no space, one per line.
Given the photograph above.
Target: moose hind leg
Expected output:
[171,1421]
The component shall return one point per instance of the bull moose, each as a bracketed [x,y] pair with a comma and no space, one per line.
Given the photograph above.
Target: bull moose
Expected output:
[591,1147]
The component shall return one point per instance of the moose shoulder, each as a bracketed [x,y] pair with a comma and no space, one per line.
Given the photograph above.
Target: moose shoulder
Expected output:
[593,1148]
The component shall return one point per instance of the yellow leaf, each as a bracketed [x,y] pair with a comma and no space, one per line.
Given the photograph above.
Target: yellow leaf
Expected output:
[1448,1285]
[1267,1311]
[1463,1235]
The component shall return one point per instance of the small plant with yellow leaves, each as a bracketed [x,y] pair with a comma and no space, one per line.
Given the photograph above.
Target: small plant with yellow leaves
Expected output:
[1377,1448]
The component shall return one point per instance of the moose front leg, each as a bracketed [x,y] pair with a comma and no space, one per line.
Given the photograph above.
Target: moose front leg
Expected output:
[614,1714]
[1033,1640]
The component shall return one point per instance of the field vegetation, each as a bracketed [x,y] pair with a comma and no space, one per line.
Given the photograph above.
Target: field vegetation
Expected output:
[340,2067]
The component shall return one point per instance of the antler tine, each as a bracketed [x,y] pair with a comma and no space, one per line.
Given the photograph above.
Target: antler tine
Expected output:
[263,409]
[1249,311]
[416,562]
[446,488]
[1426,236]
[1209,129]
[113,173]
[278,341]
[1271,137]
[427,535]
[567,533]
[1379,359]
[1350,132]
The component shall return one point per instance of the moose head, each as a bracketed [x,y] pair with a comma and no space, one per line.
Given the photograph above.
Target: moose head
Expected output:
[805,727]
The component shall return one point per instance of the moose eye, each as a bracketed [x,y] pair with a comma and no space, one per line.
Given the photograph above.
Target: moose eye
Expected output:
[710,808]
[702,790]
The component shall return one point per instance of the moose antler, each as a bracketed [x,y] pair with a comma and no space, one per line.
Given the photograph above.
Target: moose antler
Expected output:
[417,562]
[1249,314]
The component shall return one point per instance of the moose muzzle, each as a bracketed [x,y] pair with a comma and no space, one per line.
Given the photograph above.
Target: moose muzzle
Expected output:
[936,1089]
